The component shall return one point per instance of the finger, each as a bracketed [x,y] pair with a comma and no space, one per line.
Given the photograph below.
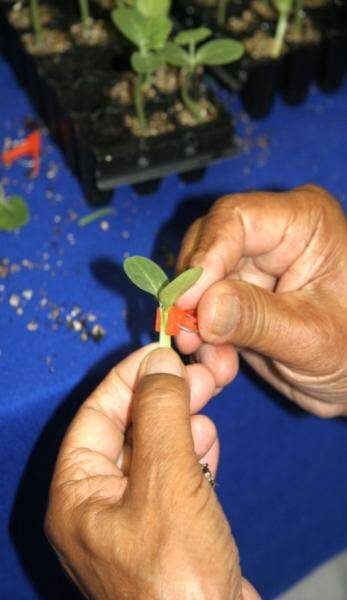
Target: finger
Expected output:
[205,442]
[285,327]
[202,384]
[188,342]
[163,449]
[95,437]
[204,435]
[273,229]
[271,372]
[222,361]
[211,458]
[189,243]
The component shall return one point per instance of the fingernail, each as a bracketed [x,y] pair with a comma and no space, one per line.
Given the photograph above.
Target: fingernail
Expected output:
[162,360]
[226,316]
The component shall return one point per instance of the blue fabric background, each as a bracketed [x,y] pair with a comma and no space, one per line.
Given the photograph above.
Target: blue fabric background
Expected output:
[283,474]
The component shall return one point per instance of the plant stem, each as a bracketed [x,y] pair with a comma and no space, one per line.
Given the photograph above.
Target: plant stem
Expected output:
[222,12]
[187,100]
[35,20]
[298,17]
[164,338]
[280,34]
[138,101]
[85,13]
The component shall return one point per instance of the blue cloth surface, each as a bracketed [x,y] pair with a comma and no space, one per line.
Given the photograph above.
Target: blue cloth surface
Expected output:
[283,475]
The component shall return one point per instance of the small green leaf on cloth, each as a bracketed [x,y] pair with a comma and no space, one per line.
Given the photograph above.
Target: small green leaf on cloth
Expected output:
[14,213]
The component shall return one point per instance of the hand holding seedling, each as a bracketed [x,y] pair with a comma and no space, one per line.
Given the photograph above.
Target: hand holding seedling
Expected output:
[275,286]
[150,278]
[130,512]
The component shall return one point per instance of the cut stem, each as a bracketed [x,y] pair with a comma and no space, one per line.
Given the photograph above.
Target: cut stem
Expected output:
[36,20]
[85,14]
[280,34]
[164,338]
[138,101]
[186,99]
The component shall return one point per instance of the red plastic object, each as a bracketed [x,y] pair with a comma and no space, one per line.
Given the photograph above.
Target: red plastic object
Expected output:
[30,146]
[178,320]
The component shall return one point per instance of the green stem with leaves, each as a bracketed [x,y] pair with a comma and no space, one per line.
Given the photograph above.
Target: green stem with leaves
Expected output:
[138,101]
[164,338]
[36,20]
[280,34]
[85,14]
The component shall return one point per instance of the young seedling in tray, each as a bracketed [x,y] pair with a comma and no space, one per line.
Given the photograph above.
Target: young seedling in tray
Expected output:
[14,212]
[150,278]
[213,53]
[148,31]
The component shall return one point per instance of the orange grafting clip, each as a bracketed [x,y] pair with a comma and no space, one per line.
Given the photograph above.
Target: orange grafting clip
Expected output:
[30,146]
[178,320]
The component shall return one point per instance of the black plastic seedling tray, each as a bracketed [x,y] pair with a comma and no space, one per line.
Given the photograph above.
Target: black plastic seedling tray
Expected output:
[258,81]
[68,91]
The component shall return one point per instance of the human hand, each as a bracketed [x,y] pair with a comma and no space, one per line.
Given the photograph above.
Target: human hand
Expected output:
[275,287]
[139,520]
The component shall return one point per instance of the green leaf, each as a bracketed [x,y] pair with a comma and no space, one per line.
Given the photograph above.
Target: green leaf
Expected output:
[146,64]
[131,24]
[153,8]
[219,52]
[146,274]
[14,213]
[157,31]
[171,292]
[192,36]
[176,56]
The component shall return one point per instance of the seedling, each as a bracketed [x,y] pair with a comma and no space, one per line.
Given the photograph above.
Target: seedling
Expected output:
[150,278]
[149,33]
[14,212]
[284,8]
[212,53]
[36,20]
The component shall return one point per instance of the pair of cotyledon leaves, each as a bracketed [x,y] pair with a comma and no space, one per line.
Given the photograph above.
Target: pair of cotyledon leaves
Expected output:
[149,277]
[150,34]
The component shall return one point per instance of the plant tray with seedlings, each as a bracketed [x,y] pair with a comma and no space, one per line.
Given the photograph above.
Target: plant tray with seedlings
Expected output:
[288,44]
[121,94]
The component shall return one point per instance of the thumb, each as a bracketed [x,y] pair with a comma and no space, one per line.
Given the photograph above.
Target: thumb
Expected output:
[163,449]
[282,326]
